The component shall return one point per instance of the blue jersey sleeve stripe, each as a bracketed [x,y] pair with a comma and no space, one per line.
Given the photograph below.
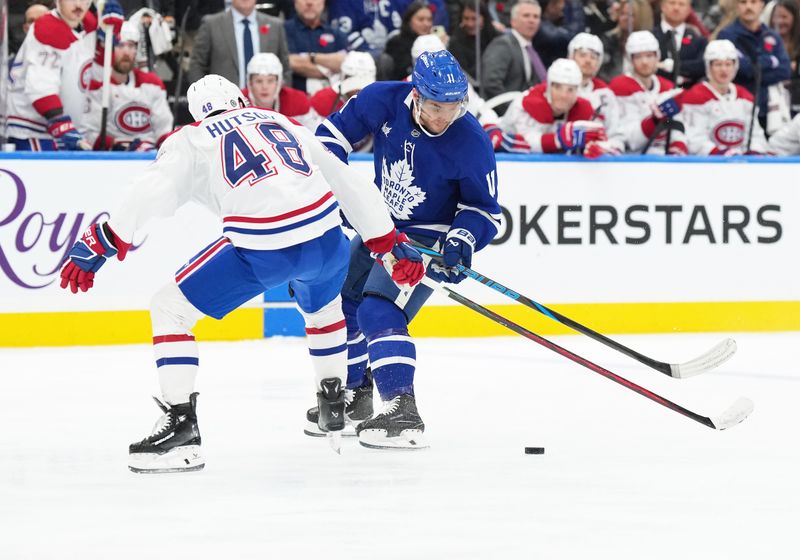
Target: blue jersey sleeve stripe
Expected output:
[179,361]
[496,218]
[337,134]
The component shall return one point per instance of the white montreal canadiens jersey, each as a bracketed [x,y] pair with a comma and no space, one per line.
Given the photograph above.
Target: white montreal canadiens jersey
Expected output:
[51,70]
[138,110]
[716,123]
[269,180]
[636,113]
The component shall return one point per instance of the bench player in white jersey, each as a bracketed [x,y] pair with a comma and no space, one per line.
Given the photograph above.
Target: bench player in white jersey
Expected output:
[50,75]
[139,118]
[717,113]
[587,51]
[265,88]
[550,117]
[647,103]
[270,182]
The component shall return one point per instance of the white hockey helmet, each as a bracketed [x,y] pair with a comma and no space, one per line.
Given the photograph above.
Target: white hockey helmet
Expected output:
[358,71]
[213,93]
[129,32]
[721,49]
[265,63]
[426,43]
[564,71]
[585,41]
[641,42]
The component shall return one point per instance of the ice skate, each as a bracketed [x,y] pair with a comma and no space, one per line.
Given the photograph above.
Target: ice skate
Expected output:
[174,445]
[397,426]
[359,408]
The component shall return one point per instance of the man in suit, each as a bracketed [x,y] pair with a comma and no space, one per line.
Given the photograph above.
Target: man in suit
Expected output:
[682,45]
[510,62]
[227,41]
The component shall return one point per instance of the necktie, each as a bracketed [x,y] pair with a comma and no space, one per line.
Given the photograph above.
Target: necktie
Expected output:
[536,63]
[248,42]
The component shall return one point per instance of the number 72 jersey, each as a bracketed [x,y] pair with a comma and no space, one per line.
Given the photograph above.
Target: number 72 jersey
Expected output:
[267,178]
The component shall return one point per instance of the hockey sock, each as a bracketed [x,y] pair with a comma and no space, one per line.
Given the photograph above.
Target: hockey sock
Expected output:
[177,362]
[356,346]
[327,340]
[392,354]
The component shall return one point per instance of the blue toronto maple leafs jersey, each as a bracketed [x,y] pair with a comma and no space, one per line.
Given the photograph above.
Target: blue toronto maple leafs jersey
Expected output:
[365,22]
[429,184]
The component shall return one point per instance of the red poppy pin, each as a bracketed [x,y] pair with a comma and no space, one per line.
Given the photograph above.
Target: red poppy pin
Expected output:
[686,40]
[325,39]
[500,7]
[769,43]
[264,29]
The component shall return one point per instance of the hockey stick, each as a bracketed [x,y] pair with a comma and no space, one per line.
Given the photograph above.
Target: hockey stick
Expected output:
[756,96]
[733,415]
[109,44]
[711,359]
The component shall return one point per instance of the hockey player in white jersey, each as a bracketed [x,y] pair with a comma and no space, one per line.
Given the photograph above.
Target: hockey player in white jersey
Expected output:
[587,51]
[139,118]
[717,113]
[272,184]
[50,75]
[265,88]
[551,117]
[648,103]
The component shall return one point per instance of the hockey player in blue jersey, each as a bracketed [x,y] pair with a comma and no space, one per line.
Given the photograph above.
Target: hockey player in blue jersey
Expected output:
[435,166]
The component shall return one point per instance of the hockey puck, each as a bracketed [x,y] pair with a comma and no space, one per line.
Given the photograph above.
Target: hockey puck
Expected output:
[534,451]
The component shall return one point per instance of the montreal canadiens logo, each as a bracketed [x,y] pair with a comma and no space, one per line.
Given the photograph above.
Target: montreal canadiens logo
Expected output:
[729,133]
[84,76]
[133,118]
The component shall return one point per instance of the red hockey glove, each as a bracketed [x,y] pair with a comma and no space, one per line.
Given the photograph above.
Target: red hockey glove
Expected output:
[89,253]
[405,264]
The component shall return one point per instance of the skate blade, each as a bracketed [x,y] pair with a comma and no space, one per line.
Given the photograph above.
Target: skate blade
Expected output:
[407,440]
[313,430]
[181,459]
[335,441]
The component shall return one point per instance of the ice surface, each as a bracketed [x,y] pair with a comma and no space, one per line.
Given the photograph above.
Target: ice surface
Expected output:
[621,476]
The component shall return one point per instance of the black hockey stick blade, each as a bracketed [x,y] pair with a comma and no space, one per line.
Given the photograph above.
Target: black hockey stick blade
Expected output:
[733,415]
[711,359]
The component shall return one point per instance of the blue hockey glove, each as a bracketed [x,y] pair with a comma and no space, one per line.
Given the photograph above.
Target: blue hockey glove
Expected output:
[89,253]
[669,108]
[65,135]
[458,248]
[569,137]
[112,17]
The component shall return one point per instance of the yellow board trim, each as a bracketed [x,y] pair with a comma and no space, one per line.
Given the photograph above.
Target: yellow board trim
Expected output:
[116,327]
[132,327]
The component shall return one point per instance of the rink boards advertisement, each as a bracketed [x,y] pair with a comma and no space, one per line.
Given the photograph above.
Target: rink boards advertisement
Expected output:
[623,246]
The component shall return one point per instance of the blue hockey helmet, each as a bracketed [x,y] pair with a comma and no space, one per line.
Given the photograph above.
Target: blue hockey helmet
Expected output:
[438,76]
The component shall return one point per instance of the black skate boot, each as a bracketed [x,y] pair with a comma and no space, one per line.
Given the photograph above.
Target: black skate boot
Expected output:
[359,408]
[397,426]
[331,405]
[174,445]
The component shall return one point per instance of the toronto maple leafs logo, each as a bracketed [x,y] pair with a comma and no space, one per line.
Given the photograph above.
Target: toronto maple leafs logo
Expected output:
[399,192]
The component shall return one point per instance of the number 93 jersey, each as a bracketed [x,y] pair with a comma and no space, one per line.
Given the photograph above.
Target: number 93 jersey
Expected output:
[260,173]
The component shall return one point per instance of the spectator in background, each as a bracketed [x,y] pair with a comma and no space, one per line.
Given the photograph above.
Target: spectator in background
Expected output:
[587,51]
[227,41]
[632,16]
[366,24]
[648,120]
[510,62]
[719,16]
[265,89]
[358,71]
[760,46]
[49,77]
[550,117]
[462,42]
[417,20]
[599,18]
[316,49]
[438,9]
[139,118]
[785,19]
[717,113]
[551,40]
[34,12]
[682,44]
[20,20]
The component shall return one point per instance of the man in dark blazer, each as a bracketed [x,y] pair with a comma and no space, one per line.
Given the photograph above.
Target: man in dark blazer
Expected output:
[220,46]
[683,65]
[510,62]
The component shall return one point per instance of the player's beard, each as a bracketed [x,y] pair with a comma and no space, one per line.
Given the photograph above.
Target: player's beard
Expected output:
[124,65]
